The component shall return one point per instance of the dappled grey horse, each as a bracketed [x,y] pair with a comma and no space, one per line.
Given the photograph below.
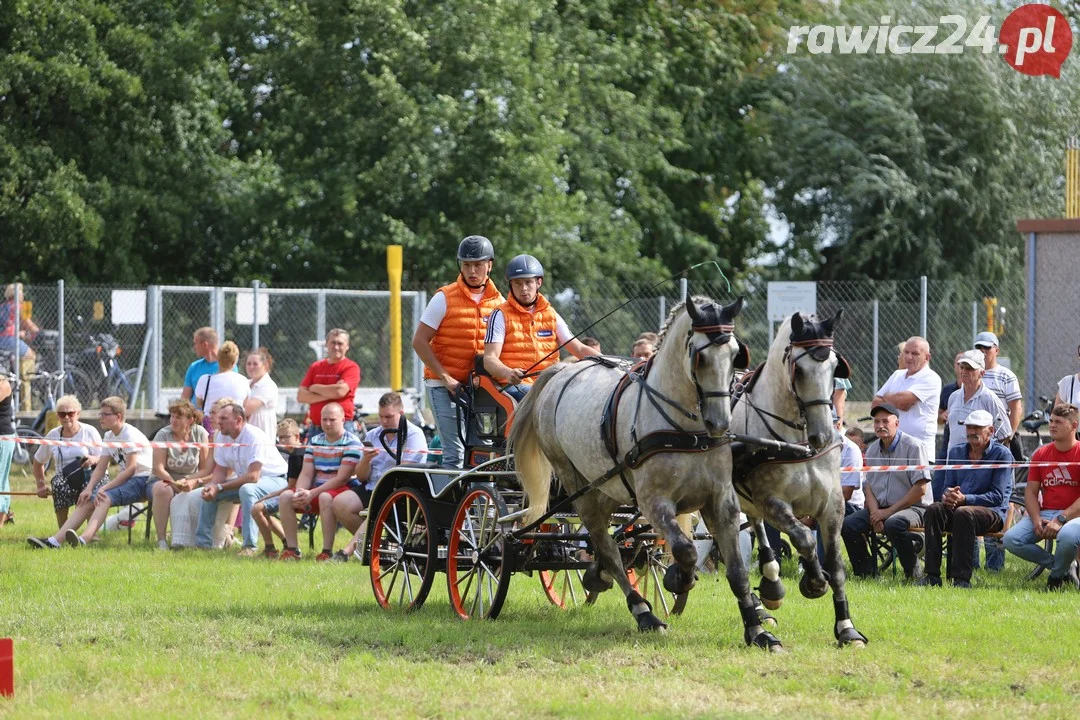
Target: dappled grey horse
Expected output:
[656,439]
[787,460]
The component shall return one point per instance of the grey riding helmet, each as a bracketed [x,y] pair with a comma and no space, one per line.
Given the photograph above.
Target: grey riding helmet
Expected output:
[524,266]
[475,247]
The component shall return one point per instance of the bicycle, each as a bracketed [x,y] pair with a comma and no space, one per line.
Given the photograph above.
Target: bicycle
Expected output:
[24,451]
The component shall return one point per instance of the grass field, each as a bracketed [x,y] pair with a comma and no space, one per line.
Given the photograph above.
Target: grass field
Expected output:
[113,630]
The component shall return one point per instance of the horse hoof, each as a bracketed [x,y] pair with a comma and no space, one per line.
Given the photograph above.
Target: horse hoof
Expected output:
[647,622]
[676,581]
[813,589]
[777,649]
[859,644]
[769,621]
[772,593]
[766,641]
[772,604]
[594,582]
[850,637]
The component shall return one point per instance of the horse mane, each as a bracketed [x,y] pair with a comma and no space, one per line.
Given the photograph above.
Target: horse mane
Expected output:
[779,346]
[670,320]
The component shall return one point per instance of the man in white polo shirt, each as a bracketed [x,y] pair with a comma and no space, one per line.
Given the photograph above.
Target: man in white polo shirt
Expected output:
[260,470]
[915,391]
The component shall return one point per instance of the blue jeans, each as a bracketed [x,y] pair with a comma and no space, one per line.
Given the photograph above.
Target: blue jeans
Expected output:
[1022,542]
[8,345]
[995,555]
[446,420]
[136,489]
[248,494]
[518,391]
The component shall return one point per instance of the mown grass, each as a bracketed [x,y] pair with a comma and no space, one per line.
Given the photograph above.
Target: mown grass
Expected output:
[114,630]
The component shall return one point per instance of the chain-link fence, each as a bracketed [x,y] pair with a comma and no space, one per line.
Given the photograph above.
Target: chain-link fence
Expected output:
[106,335]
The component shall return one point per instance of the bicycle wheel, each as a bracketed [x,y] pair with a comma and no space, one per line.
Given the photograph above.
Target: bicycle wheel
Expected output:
[24,451]
[122,384]
[79,384]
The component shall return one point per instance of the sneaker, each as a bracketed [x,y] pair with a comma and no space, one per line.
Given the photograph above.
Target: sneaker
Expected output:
[358,553]
[289,554]
[323,556]
[1072,577]
[73,538]
[929,581]
[1054,584]
[339,557]
[42,543]
[248,552]
[162,545]
[965,584]
[270,553]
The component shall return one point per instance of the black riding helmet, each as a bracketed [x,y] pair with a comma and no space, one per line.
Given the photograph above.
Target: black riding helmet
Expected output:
[475,247]
[524,266]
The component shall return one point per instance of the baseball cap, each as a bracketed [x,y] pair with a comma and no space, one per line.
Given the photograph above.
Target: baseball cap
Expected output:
[974,359]
[979,418]
[986,338]
[887,407]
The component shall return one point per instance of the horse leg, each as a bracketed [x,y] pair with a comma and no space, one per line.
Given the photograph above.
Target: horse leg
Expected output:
[771,587]
[829,526]
[681,575]
[721,517]
[596,520]
[814,582]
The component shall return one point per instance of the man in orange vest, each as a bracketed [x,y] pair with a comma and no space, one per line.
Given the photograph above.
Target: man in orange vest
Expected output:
[525,332]
[451,334]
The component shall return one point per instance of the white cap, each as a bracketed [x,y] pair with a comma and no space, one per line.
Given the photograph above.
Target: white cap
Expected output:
[973,359]
[979,418]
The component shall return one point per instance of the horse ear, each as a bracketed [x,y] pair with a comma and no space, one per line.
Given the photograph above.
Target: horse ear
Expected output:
[692,311]
[829,326]
[796,324]
[732,311]
[742,357]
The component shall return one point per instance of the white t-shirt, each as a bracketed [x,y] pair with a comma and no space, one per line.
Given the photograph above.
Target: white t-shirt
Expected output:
[415,451]
[920,420]
[496,328]
[212,388]
[265,418]
[851,456]
[61,456]
[1069,390]
[255,446]
[436,308]
[134,442]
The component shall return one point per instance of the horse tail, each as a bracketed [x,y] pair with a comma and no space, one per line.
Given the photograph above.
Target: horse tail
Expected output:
[530,462]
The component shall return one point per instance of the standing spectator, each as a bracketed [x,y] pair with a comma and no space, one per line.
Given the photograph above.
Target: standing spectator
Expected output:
[643,349]
[451,334]
[592,342]
[973,503]
[7,446]
[915,392]
[329,463]
[839,397]
[1052,499]
[261,403]
[226,382]
[132,484]
[943,407]
[264,511]
[66,486]
[380,446]
[10,309]
[334,379]
[524,334]
[259,468]
[205,345]
[895,499]
[900,364]
[179,472]
[1068,389]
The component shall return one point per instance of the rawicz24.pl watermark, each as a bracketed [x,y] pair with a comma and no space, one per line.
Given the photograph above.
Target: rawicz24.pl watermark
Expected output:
[1034,39]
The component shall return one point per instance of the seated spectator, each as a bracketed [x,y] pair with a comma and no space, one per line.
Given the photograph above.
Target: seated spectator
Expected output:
[851,482]
[380,445]
[265,512]
[65,490]
[649,336]
[226,382]
[333,379]
[643,350]
[180,471]
[857,436]
[186,509]
[973,503]
[895,499]
[132,484]
[1052,499]
[329,463]
[261,403]
[259,468]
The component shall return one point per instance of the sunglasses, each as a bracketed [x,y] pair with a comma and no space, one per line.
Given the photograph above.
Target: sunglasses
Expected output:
[107,414]
[66,413]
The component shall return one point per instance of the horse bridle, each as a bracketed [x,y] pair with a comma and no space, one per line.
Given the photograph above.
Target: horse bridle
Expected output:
[794,359]
[717,335]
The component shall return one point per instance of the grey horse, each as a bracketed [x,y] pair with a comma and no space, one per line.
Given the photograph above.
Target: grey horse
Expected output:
[788,405]
[668,451]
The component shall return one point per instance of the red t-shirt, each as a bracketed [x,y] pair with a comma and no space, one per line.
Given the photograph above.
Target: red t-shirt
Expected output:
[1060,485]
[323,373]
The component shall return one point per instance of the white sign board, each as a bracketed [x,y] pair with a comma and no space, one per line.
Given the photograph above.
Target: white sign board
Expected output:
[129,307]
[244,302]
[788,298]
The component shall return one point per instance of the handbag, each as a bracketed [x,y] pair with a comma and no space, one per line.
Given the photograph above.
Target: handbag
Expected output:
[75,475]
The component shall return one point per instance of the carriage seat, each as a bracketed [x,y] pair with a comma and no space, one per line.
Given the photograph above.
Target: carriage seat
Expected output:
[488,415]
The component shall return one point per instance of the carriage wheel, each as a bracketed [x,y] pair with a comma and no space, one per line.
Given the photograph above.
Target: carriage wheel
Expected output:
[477,568]
[403,551]
[564,588]
[649,580]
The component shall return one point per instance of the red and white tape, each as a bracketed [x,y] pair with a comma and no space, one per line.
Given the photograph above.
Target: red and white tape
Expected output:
[176,445]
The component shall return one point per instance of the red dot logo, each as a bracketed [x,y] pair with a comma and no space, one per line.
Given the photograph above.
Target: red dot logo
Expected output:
[1035,40]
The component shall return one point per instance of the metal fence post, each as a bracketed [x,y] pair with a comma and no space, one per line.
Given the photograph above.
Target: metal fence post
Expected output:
[60,328]
[974,321]
[153,316]
[320,315]
[1032,282]
[255,313]
[876,385]
[663,311]
[682,291]
[922,308]
[217,311]
[16,305]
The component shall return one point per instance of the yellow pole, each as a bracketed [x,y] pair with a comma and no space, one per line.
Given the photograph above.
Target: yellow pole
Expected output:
[1072,178]
[393,270]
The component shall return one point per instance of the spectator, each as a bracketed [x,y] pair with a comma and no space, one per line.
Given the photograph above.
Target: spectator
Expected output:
[643,350]
[10,345]
[205,345]
[226,382]
[1052,499]
[451,334]
[184,530]
[973,504]
[591,342]
[857,436]
[943,406]
[264,511]
[329,463]
[650,336]
[839,397]
[380,446]
[1068,389]
[67,486]
[7,446]
[132,484]
[524,334]
[333,379]
[900,364]
[851,482]
[180,471]
[259,470]
[915,391]
[895,500]
[261,403]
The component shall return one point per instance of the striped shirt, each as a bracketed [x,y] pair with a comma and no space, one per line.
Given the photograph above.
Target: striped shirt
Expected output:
[328,456]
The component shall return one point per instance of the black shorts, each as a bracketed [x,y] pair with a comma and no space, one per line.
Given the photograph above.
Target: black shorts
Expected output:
[364,493]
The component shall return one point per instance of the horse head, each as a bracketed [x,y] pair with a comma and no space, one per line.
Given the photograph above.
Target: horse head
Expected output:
[713,353]
[813,363]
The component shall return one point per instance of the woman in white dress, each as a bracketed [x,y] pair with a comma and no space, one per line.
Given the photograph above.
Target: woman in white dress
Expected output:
[261,404]
[181,471]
